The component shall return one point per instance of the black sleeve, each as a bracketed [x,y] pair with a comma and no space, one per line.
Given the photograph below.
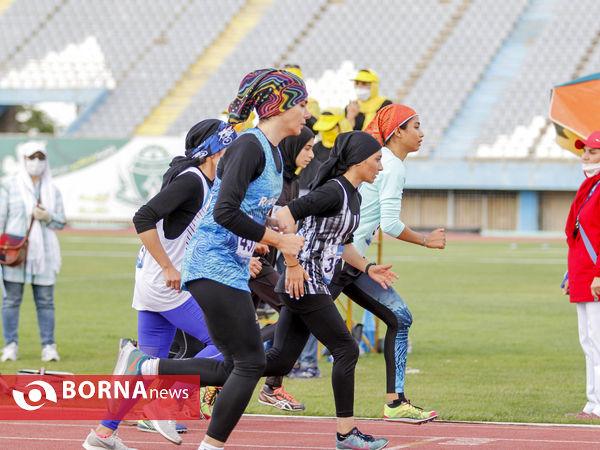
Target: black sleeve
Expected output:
[180,190]
[385,103]
[243,162]
[325,201]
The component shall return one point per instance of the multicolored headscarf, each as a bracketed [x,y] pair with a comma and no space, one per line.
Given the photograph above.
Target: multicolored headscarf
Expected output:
[270,91]
[204,139]
[386,121]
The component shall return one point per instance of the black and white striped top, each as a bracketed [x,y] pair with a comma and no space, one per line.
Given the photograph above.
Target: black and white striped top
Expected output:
[334,210]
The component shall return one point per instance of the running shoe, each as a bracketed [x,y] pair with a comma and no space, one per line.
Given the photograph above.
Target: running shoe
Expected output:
[124,341]
[146,426]
[357,440]
[208,396]
[162,421]
[397,411]
[191,406]
[113,442]
[278,398]
[130,360]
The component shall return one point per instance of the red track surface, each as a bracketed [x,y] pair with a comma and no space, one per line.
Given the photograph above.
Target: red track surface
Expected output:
[284,432]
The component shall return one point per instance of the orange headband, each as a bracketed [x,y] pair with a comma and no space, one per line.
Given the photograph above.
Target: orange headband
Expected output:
[387,120]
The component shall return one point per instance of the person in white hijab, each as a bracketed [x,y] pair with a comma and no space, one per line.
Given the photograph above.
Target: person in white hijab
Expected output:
[31,192]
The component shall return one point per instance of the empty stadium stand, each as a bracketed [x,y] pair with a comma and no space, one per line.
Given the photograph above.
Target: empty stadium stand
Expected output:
[166,64]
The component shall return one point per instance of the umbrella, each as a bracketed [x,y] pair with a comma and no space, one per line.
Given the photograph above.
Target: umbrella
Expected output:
[575,110]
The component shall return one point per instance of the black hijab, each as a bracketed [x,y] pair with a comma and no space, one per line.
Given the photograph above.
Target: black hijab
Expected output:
[195,153]
[349,149]
[290,148]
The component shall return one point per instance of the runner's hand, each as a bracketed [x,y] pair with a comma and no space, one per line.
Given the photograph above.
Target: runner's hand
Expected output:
[290,244]
[294,281]
[436,239]
[383,275]
[263,249]
[172,278]
[255,266]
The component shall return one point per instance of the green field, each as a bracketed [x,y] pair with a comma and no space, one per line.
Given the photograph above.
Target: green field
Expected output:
[494,339]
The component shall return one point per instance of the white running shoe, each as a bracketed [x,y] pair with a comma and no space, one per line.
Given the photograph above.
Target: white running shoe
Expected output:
[161,422]
[168,428]
[49,353]
[10,352]
[113,442]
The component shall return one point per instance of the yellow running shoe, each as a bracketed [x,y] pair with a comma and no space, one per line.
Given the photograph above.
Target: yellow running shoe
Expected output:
[208,395]
[397,411]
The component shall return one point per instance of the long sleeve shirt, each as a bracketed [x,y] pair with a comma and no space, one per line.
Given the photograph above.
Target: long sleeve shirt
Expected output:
[381,202]
[14,220]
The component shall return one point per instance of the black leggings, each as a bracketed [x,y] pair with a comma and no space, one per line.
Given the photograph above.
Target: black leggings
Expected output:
[291,334]
[233,327]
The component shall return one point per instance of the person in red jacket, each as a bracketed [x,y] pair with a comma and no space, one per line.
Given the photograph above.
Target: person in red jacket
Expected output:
[582,282]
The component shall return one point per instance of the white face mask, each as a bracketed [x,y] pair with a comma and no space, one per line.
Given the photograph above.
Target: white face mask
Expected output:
[591,170]
[35,167]
[363,94]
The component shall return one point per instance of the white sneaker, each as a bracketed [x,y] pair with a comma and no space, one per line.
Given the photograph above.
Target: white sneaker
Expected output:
[10,352]
[114,442]
[168,428]
[49,353]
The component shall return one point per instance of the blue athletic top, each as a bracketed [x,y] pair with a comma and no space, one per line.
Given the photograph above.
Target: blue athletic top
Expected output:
[216,253]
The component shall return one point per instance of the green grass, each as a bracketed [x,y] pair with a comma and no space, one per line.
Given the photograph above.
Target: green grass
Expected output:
[494,338]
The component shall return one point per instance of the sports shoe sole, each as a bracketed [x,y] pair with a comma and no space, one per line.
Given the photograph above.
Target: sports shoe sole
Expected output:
[274,405]
[409,420]
[338,446]
[159,426]
[148,428]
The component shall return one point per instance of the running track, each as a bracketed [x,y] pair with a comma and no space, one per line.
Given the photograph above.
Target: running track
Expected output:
[286,432]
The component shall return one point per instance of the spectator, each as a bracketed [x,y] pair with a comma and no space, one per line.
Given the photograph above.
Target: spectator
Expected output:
[31,192]
[362,111]
[331,123]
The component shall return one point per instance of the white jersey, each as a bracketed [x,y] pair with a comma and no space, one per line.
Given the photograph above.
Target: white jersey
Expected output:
[150,292]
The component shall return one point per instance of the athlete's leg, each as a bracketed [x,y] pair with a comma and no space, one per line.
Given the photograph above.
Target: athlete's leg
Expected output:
[328,327]
[389,307]
[291,334]
[231,321]
[155,334]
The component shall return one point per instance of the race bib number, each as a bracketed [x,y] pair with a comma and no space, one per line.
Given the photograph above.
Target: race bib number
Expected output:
[331,256]
[245,249]
[139,263]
